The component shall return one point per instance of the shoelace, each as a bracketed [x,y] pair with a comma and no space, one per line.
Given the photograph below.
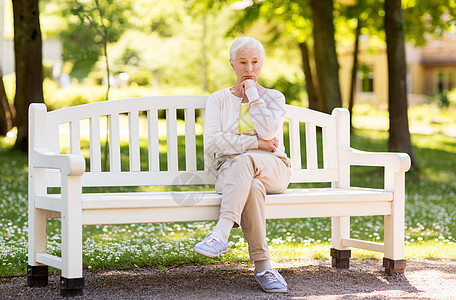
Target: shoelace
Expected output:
[272,276]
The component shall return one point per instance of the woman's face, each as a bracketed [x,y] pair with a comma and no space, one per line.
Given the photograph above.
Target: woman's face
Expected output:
[247,64]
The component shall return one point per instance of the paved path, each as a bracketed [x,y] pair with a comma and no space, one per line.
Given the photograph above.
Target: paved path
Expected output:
[313,279]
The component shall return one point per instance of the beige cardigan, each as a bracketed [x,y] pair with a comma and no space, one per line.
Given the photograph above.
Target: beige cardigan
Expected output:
[221,134]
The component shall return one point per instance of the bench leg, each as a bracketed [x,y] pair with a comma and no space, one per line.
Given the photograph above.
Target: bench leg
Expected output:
[394,232]
[72,279]
[37,273]
[71,287]
[37,276]
[394,266]
[340,229]
[340,258]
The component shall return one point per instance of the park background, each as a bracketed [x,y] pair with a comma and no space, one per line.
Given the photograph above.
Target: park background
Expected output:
[181,47]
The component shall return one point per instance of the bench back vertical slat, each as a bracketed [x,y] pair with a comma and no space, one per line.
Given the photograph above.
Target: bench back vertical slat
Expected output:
[295,146]
[53,139]
[207,158]
[171,138]
[329,144]
[133,136]
[190,144]
[75,137]
[95,150]
[343,141]
[153,143]
[311,146]
[114,143]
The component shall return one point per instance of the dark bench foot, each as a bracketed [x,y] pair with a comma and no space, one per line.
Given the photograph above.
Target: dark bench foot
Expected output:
[70,287]
[37,276]
[394,266]
[340,258]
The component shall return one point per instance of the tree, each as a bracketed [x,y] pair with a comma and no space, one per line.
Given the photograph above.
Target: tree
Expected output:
[314,99]
[354,71]
[6,115]
[399,135]
[28,60]
[325,54]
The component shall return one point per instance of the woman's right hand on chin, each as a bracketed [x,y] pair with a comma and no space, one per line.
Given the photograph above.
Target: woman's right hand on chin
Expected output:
[269,145]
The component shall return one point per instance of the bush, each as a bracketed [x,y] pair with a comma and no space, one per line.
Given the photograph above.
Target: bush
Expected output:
[293,91]
[56,97]
[141,78]
[441,98]
[71,96]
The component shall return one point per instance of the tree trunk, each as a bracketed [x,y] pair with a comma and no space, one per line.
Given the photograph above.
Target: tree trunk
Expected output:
[399,135]
[325,54]
[28,60]
[351,100]
[5,111]
[310,87]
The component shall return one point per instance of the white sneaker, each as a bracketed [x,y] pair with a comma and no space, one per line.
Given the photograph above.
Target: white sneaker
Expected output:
[271,281]
[211,246]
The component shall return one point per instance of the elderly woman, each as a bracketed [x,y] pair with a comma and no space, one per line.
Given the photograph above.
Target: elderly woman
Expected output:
[242,125]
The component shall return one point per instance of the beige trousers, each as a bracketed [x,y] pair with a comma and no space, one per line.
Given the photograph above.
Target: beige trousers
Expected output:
[244,182]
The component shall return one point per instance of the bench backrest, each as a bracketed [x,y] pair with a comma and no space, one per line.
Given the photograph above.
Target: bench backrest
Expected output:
[313,160]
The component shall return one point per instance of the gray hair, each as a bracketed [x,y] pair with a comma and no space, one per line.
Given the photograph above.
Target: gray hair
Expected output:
[242,42]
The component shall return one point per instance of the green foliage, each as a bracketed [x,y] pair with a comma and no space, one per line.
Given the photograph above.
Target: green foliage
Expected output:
[56,97]
[423,17]
[293,91]
[442,99]
[83,39]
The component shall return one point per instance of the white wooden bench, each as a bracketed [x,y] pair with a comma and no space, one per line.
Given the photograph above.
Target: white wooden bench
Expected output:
[49,168]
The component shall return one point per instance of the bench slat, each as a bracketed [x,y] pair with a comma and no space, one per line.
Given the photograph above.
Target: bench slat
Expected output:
[49,260]
[204,198]
[95,150]
[171,138]
[207,159]
[295,146]
[119,106]
[212,212]
[190,143]
[123,208]
[355,243]
[75,137]
[133,135]
[311,146]
[114,143]
[53,139]
[145,178]
[153,142]
[329,144]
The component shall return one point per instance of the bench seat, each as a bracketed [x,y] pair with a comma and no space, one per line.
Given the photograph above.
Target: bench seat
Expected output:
[117,208]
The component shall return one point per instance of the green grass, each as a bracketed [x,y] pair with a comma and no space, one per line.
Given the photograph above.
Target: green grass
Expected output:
[430,218]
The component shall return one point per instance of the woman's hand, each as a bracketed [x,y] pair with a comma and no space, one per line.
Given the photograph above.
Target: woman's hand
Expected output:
[269,145]
[246,84]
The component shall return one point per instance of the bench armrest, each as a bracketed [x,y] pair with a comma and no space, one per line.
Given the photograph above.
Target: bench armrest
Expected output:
[68,164]
[395,162]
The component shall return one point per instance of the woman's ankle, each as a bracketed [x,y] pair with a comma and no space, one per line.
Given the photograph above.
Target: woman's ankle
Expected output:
[262,265]
[223,229]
